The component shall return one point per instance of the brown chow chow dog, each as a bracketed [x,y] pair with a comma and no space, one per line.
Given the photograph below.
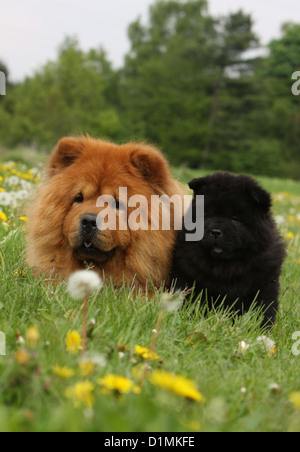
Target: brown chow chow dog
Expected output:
[63,230]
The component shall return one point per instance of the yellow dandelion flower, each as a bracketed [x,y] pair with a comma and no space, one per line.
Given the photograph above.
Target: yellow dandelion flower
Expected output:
[63,372]
[81,394]
[20,273]
[289,235]
[73,342]
[145,353]
[22,357]
[25,219]
[191,425]
[86,368]
[117,383]
[294,398]
[3,217]
[177,384]
[32,336]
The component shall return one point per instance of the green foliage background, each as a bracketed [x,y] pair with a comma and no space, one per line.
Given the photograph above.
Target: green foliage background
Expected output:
[198,86]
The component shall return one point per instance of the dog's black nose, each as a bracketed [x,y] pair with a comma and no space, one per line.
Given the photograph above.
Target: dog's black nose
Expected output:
[216,233]
[89,223]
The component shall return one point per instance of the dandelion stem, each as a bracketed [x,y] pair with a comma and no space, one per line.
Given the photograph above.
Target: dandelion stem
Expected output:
[84,325]
[152,346]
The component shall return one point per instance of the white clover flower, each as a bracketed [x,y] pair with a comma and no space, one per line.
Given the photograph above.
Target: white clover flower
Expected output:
[5,199]
[83,283]
[266,343]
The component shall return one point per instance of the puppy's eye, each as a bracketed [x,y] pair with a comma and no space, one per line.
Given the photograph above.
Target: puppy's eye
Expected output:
[236,218]
[79,198]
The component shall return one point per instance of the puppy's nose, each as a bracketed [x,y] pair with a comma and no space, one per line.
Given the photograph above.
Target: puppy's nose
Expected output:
[88,223]
[216,233]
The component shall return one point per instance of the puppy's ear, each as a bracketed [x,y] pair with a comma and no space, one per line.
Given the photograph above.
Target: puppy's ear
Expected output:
[197,184]
[260,196]
[65,153]
[151,165]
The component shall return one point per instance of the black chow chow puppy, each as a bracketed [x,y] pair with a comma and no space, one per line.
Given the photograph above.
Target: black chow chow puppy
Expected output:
[241,254]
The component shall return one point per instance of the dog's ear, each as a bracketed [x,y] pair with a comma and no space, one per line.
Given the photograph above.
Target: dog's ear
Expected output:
[260,196]
[151,165]
[65,153]
[197,184]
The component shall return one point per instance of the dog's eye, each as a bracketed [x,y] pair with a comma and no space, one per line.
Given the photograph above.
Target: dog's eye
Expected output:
[119,205]
[79,198]
[236,218]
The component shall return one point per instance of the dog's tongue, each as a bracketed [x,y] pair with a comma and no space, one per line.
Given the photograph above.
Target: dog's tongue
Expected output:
[87,244]
[217,250]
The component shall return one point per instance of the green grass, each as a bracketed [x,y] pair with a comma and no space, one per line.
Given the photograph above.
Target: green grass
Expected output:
[203,348]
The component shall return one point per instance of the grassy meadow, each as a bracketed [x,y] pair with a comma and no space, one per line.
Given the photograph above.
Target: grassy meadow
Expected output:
[147,369]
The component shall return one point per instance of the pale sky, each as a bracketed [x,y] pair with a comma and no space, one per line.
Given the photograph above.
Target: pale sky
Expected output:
[31,30]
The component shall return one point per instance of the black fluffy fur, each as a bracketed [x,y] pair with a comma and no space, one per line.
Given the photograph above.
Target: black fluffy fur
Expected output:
[242,259]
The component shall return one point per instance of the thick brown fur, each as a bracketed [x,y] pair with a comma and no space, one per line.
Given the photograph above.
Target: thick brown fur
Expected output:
[78,172]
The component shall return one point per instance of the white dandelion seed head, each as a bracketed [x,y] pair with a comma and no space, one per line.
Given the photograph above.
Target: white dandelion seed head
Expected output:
[83,283]
[279,219]
[266,343]
[25,184]
[22,194]
[5,199]
[274,387]
[95,358]
[171,302]
[10,164]
[12,180]
[20,340]
[243,347]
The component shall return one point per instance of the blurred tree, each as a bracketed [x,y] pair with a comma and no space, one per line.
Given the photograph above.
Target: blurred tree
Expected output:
[190,84]
[234,90]
[165,84]
[282,108]
[67,96]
